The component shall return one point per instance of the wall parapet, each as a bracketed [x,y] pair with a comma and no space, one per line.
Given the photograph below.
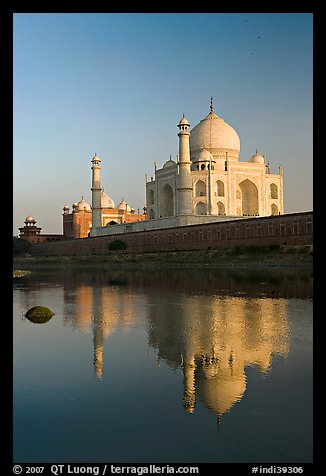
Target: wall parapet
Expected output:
[291,229]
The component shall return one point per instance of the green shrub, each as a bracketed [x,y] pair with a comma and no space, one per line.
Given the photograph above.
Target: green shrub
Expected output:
[20,246]
[117,245]
[274,247]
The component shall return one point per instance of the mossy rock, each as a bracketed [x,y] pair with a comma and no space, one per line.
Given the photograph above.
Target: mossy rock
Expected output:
[39,314]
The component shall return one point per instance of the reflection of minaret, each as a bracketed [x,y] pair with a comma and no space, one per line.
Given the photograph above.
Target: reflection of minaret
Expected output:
[189,395]
[98,331]
[99,309]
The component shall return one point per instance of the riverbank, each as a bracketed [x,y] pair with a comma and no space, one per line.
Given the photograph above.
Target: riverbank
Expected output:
[244,256]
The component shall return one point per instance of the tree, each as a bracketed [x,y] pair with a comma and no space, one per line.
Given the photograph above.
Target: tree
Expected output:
[20,246]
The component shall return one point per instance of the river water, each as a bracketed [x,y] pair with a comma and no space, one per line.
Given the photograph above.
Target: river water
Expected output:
[164,366]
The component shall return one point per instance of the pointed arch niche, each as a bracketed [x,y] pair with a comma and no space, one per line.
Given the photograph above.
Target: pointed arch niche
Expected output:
[274,191]
[220,188]
[249,196]
[220,208]
[200,189]
[274,209]
[200,208]
[166,201]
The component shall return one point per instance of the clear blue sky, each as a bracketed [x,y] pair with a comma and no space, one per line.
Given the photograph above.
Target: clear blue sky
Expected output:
[118,83]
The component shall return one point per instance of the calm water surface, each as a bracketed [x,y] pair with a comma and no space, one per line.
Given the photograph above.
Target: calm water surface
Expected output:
[164,367]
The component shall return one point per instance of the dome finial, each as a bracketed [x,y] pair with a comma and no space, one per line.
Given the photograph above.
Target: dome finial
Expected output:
[211,105]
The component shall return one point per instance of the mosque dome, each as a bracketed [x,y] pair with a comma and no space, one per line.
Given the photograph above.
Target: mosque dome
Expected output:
[123,205]
[215,135]
[257,158]
[106,201]
[30,219]
[83,205]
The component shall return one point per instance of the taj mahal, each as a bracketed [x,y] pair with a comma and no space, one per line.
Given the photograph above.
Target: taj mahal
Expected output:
[206,183]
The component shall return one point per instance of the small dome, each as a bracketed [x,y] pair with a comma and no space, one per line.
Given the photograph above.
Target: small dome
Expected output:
[83,205]
[169,163]
[123,205]
[96,158]
[257,158]
[184,122]
[75,205]
[30,219]
[66,207]
[204,155]
[106,201]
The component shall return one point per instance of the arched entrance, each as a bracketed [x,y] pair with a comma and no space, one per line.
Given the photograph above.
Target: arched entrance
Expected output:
[274,209]
[249,194]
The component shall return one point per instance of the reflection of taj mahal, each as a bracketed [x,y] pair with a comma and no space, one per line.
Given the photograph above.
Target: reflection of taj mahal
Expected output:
[211,339]
[214,339]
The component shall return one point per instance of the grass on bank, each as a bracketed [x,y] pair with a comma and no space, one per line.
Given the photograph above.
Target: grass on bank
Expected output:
[277,255]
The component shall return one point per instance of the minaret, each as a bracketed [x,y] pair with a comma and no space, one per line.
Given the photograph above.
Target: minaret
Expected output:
[184,181]
[96,193]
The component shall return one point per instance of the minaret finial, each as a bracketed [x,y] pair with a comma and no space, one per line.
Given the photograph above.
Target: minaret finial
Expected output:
[212,106]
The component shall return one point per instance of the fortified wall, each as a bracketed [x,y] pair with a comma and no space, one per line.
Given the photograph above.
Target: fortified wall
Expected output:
[290,229]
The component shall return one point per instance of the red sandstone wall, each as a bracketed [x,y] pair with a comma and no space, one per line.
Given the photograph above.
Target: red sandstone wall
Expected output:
[291,229]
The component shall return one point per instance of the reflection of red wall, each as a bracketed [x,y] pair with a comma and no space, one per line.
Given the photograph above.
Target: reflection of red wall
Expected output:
[292,229]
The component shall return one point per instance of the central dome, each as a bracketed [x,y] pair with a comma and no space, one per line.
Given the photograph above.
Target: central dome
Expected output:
[216,136]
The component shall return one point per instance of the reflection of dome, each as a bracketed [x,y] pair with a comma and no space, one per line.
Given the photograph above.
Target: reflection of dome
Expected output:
[83,205]
[215,135]
[106,201]
[221,392]
[30,219]
[257,158]
[123,205]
